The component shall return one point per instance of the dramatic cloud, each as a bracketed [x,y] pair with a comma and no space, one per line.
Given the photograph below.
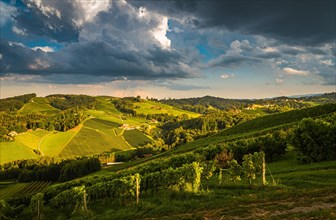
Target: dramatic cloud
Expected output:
[294,22]
[170,43]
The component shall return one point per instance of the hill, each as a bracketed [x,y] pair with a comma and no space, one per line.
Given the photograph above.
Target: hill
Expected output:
[195,180]
[38,104]
[260,125]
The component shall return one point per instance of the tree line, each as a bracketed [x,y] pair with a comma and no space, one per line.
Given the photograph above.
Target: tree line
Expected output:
[48,169]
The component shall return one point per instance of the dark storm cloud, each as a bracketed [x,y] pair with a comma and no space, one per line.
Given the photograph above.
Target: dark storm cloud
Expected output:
[56,20]
[100,59]
[293,22]
[20,59]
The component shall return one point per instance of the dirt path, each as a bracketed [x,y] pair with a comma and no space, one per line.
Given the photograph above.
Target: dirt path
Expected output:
[264,210]
[39,144]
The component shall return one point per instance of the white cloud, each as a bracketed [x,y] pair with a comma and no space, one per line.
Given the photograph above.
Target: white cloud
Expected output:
[160,33]
[228,75]
[18,31]
[294,72]
[270,50]
[44,8]
[90,8]
[279,81]
[45,48]
[6,12]
[10,43]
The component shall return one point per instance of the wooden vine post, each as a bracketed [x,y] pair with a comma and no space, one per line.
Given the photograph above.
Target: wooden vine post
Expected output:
[84,201]
[137,190]
[263,169]
[38,209]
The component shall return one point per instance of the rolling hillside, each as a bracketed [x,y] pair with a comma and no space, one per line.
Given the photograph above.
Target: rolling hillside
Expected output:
[259,125]
[38,104]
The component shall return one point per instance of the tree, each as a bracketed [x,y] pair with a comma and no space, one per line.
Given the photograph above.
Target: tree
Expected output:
[315,140]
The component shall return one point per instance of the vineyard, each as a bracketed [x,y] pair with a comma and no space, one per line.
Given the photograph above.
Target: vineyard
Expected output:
[259,126]
[136,138]
[21,189]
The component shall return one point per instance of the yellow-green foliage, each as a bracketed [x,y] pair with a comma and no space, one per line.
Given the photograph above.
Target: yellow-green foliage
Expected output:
[55,141]
[31,139]
[150,107]
[14,151]
[106,106]
[90,141]
[38,105]
[136,138]
[102,125]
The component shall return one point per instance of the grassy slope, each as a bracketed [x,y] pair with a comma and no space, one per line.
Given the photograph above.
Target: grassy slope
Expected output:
[55,141]
[102,125]
[241,131]
[31,139]
[149,107]
[300,191]
[259,125]
[15,151]
[91,141]
[136,138]
[38,105]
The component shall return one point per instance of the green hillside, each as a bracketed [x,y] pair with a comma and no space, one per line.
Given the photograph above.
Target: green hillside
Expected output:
[15,151]
[150,107]
[136,138]
[38,104]
[102,125]
[259,125]
[91,141]
[53,143]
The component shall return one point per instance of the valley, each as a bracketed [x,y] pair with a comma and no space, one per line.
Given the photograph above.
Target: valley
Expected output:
[173,159]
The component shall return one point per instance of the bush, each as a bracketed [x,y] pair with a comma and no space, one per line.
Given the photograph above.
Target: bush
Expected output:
[315,140]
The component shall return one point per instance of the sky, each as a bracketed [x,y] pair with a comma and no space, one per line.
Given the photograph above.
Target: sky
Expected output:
[168,48]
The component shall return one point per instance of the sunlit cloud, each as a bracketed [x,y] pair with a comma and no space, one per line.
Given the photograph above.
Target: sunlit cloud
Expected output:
[294,72]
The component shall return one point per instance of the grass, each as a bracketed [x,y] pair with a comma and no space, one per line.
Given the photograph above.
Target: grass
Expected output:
[150,107]
[52,144]
[301,190]
[38,105]
[102,125]
[89,141]
[10,151]
[136,138]
[31,139]
[107,106]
